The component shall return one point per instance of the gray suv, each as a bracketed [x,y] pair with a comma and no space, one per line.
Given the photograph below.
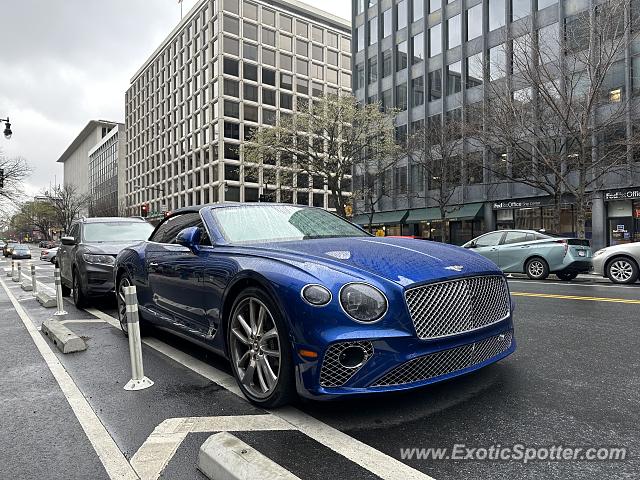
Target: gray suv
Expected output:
[87,254]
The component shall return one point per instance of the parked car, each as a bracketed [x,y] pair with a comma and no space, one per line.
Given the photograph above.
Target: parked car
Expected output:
[8,248]
[535,253]
[21,251]
[302,301]
[87,254]
[49,254]
[619,263]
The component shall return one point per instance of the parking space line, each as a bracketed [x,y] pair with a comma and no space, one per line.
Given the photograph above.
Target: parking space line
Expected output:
[574,297]
[369,458]
[113,460]
[156,452]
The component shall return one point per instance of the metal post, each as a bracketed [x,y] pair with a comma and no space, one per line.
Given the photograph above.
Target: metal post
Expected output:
[59,300]
[138,380]
[18,274]
[13,267]
[34,283]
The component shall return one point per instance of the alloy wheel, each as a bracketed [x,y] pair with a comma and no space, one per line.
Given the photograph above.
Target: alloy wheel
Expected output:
[122,304]
[536,269]
[621,271]
[255,347]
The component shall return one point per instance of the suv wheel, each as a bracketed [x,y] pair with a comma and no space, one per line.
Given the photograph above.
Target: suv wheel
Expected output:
[79,297]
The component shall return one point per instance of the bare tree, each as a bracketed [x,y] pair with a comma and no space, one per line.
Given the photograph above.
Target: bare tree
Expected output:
[37,216]
[325,140]
[436,152]
[15,170]
[558,123]
[68,204]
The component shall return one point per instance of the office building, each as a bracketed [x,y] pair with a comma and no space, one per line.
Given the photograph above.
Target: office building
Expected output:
[425,58]
[228,68]
[106,175]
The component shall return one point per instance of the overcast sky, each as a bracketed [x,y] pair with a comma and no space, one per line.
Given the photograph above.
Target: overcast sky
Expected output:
[65,62]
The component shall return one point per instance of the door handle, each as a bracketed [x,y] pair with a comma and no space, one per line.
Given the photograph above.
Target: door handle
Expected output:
[153,264]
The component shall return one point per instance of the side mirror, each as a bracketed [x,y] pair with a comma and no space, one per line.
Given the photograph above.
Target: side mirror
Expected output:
[470,245]
[190,238]
[70,241]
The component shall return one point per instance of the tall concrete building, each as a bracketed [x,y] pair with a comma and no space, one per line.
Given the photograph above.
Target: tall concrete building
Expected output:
[228,68]
[426,57]
[76,157]
[106,175]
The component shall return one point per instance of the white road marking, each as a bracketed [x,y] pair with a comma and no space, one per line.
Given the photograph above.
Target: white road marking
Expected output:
[112,459]
[87,320]
[570,284]
[158,449]
[375,461]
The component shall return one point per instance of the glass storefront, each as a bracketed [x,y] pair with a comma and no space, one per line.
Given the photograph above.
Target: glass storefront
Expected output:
[542,218]
[623,222]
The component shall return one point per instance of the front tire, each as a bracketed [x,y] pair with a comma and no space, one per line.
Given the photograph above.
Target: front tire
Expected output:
[80,299]
[537,269]
[259,350]
[622,270]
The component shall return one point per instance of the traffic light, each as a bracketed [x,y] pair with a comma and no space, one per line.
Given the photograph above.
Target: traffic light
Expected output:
[144,210]
[1,177]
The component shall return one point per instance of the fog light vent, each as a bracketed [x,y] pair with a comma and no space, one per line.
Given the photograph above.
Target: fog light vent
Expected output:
[342,361]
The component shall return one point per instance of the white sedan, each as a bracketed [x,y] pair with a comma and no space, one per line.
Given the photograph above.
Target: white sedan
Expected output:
[49,254]
[619,263]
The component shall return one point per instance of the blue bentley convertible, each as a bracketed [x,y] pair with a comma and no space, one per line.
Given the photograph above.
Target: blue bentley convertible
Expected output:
[302,301]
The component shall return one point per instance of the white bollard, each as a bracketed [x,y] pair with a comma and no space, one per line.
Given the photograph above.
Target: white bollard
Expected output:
[18,273]
[13,267]
[59,301]
[34,283]
[138,380]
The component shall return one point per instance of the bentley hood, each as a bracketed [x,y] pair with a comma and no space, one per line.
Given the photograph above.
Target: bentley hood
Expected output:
[403,261]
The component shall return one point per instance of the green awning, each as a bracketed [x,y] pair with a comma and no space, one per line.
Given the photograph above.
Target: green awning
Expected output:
[382,218]
[463,212]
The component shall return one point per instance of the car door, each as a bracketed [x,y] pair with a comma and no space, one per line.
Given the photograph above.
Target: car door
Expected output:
[176,292]
[66,253]
[487,246]
[514,249]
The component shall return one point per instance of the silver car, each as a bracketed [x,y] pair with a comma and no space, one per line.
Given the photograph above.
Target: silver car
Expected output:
[535,253]
[619,263]
[49,254]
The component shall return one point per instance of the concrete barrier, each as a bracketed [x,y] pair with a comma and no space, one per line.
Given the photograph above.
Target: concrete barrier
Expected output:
[225,457]
[47,301]
[62,337]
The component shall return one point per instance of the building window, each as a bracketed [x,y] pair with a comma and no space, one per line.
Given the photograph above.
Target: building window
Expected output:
[268,57]
[401,97]
[231,67]
[387,63]
[231,109]
[373,31]
[317,34]
[231,88]
[435,85]
[497,62]
[286,101]
[269,17]
[434,5]
[474,27]
[318,53]
[302,67]
[286,24]
[417,48]
[454,78]
[249,51]
[250,113]
[302,29]
[546,3]
[359,75]
[302,47]
[373,70]
[435,40]
[286,81]
[232,130]
[250,10]
[268,76]
[268,37]
[360,38]
[453,32]
[231,6]
[496,14]
[417,91]
[386,23]
[401,14]
[418,9]
[520,9]
[401,56]
[474,72]
[269,97]
[387,100]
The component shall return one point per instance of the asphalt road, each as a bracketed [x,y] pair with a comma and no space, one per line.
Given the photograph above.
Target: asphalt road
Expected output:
[573,381]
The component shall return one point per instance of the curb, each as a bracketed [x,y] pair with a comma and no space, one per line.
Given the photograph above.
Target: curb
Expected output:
[45,300]
[225,457]
[62,337]
[26,286]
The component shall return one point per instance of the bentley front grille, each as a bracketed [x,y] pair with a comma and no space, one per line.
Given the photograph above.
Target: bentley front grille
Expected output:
[335,371]
[458,306]
[446,361]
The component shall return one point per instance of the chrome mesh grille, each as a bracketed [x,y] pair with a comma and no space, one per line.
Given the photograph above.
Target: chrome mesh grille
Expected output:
[332,373]
[446,361]
[458,306]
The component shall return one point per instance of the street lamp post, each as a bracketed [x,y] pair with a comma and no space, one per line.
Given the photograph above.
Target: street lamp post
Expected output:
[7,128]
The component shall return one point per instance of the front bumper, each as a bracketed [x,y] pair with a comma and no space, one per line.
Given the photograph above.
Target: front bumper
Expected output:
[404,363]
[598,265]
[98,279]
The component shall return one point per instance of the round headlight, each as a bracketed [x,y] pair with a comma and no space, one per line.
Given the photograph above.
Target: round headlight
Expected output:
[316,295]
[363,302]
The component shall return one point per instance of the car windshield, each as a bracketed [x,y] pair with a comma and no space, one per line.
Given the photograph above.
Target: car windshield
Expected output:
[281,223]
[20,248]
[121,232]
